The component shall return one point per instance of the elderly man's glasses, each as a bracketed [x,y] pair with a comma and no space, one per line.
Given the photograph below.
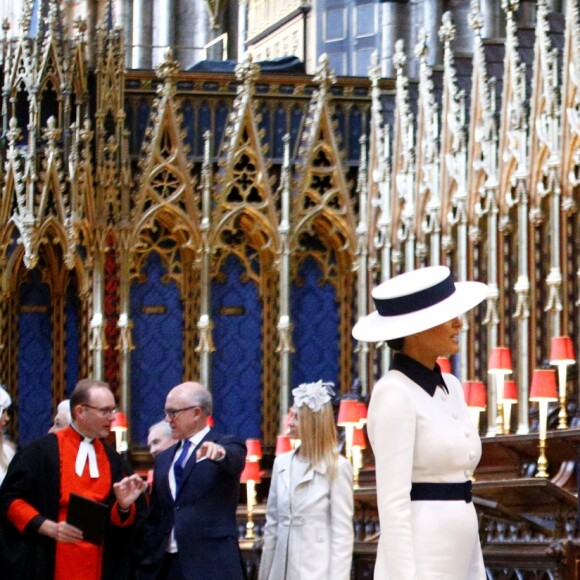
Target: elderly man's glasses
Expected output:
[104,411]
[172,413]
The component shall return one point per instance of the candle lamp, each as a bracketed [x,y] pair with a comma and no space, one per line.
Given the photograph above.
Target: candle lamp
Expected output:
[510,397]
[283,444]
[250,476]
[542,391]
[444,364]
[500,365]
[348,417]
[476,399]
[119,428]
[359,443]
[562,355]
[362,415]
[254,448]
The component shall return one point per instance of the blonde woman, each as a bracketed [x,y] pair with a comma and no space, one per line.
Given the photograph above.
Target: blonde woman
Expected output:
[309,530]
[6,447]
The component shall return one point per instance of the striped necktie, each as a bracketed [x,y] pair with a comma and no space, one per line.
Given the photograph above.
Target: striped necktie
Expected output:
[179,465]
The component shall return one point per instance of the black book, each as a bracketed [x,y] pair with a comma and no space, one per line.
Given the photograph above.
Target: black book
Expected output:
[89,516]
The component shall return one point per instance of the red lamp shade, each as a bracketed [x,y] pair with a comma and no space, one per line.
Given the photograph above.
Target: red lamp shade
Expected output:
[362,413]
[119,422]
[543,386]
[348,413]
[359,439]
[475,395]
[510,392]
[210,422]
[251,472]
[500,361]
[444,364]
[562,351]
[283,444]
[254,448]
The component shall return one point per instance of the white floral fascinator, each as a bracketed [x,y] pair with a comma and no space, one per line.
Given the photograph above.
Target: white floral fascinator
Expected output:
[313,395]
[5,400]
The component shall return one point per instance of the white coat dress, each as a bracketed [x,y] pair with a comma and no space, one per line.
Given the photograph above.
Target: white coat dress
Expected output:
[417,437]
[309,527]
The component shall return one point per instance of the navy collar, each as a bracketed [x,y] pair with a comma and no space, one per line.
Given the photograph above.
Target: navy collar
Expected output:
[428,379]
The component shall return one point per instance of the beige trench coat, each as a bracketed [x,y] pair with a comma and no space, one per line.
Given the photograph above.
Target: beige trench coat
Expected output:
[309,529]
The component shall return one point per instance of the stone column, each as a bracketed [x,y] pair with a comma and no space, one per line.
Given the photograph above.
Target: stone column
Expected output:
[142,34]
[394,26]
[192,32]
[163,30]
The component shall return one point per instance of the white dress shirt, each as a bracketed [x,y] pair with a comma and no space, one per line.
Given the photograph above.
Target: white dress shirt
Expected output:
[195,441]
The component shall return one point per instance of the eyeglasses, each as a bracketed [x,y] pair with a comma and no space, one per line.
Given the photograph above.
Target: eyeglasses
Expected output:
[172,413]
[104,411]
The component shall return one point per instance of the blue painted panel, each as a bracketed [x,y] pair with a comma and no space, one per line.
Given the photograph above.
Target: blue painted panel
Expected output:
[203,125]
[264,113]
[34,360]
[72,340]
[157,361]
[237,361]
[295,127]
[355,132]
[340,121]
[189,124]
[221,117]
[143,113]
[280,129]
[316,322]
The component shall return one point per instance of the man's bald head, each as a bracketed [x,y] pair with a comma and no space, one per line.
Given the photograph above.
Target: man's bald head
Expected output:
[187,408]
[194,394]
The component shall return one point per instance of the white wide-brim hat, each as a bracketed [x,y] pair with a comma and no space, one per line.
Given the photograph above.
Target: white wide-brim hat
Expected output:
[416,301]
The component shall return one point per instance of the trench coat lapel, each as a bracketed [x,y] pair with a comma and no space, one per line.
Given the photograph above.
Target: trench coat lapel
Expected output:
[308,475]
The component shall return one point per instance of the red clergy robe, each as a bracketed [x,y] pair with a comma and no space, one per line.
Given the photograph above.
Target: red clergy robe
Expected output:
[80,559]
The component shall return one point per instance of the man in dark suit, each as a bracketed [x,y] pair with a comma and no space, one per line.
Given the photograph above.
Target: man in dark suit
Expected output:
[191,532]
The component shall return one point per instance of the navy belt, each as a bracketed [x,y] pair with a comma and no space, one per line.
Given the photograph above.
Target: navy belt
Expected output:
[441,492]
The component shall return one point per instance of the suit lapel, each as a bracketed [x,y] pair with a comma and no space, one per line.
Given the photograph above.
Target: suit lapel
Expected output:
[164,462]
[192,462]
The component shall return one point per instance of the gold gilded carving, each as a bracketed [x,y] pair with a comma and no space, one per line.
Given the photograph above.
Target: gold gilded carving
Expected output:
[154,309]
[233,310]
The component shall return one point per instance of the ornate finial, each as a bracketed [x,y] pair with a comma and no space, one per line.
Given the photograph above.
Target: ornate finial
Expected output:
[14,133]
[475,18]
[5,25]
[80,25]
[447,30]
[375,68]
[52,132]
[324,75]
[247,71]
[422,48]
[510,6]
[169,68]
[399,58]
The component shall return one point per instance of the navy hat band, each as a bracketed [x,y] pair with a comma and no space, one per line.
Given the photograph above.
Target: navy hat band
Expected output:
[416,301]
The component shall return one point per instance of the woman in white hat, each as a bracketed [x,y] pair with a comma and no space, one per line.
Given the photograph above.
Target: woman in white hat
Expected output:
[309,531]
[7,450]
[424,443]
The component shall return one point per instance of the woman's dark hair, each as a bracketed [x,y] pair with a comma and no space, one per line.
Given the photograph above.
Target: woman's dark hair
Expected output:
[396,344]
